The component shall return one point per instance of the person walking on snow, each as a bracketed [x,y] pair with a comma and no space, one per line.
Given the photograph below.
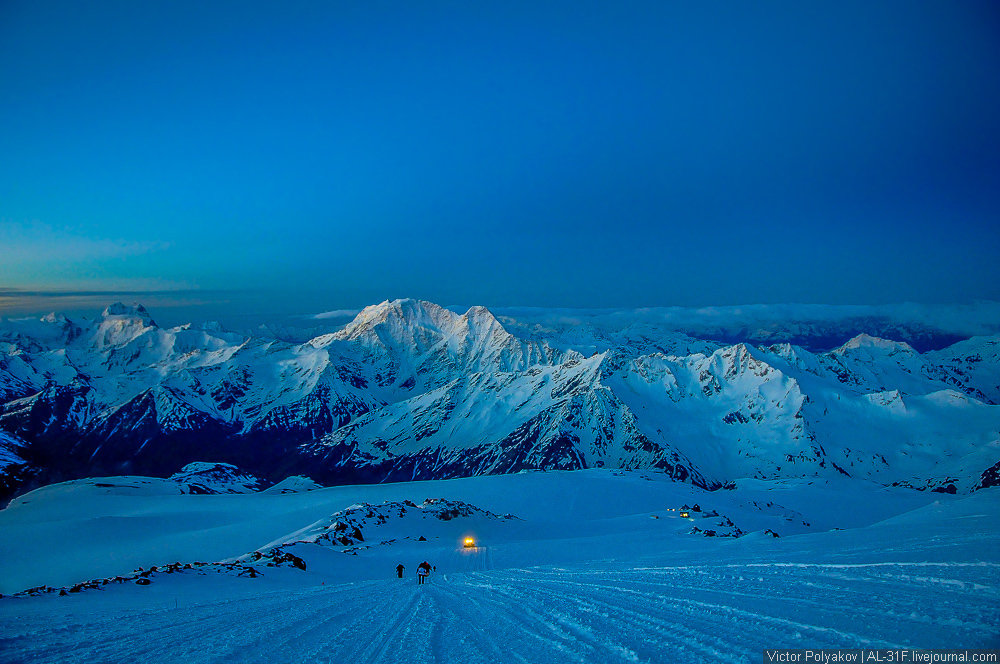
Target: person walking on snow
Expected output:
[399,570]
[423,569]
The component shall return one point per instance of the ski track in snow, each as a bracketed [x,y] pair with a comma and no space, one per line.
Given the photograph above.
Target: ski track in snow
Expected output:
[603,613]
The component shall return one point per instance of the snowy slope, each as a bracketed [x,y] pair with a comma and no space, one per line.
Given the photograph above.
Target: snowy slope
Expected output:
[973,364]
[597,566]
[785,412]
[556,417]
[109,526]
[202,477]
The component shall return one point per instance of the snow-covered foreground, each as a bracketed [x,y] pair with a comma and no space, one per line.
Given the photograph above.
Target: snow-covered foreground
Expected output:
[586,573]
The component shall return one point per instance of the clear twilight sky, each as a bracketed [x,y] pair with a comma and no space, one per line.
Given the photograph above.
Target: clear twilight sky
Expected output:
[302,157]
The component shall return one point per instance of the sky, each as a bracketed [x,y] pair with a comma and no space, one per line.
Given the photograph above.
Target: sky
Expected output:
[283,158]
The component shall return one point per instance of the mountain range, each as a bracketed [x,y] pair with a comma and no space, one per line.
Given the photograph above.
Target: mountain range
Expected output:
[410,390]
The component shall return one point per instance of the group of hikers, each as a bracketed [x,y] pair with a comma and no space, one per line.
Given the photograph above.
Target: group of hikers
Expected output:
[423,571]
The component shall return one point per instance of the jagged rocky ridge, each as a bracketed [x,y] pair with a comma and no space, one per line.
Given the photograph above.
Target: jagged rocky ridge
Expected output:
[410,390]
[346,530]
[349,531]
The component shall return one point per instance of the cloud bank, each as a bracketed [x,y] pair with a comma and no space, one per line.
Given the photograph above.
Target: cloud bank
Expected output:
[980,318]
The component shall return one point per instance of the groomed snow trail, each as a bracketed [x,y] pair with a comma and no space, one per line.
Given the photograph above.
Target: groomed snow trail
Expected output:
[710,613]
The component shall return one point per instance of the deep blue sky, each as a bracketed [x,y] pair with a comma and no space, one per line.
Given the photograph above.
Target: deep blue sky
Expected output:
[335,154]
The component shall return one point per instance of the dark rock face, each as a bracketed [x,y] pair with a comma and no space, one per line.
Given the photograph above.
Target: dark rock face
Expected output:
[18,476]
[130,441]
[990,477]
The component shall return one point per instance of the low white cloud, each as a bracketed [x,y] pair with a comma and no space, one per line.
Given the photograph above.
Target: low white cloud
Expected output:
[16,303]
[57,287]
[336,313]
[963,319]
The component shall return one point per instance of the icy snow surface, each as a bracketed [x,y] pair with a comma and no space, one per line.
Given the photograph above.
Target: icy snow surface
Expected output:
[597,566]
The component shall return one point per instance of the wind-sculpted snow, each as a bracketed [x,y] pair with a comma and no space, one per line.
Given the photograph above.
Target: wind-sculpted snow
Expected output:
[410,390]
[600,588]
[682,614]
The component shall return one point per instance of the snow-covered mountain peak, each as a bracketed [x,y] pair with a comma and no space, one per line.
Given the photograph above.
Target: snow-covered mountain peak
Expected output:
[736,360]
[404,338]
[135,310]
[52,331]
[869,342]
[479,310]
[206,477]
[397,329]
[406,312]
[120,324]
[212,326]
[412,390]
[789,352]
[482,318]
[974,363]
[479,322]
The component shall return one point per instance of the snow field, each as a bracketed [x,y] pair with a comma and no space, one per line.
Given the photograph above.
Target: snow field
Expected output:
[595,613]
[584,575]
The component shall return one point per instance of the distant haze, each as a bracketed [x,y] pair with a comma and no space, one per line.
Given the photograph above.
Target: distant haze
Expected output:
[759,323]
